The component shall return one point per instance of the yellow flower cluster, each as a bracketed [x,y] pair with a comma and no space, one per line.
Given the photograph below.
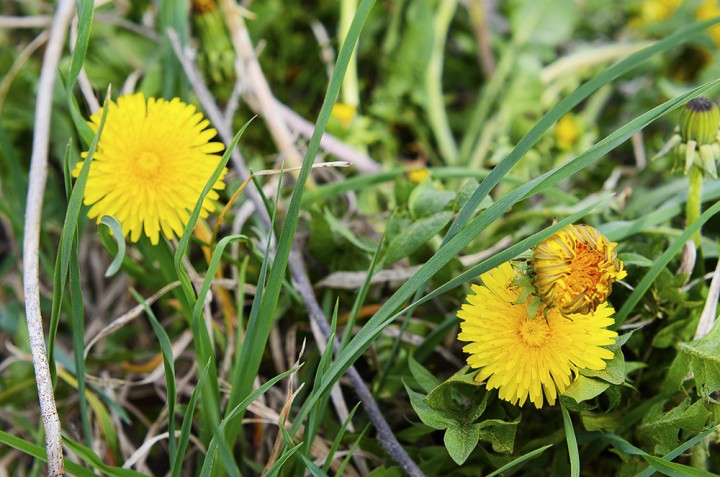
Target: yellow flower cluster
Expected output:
[531,352]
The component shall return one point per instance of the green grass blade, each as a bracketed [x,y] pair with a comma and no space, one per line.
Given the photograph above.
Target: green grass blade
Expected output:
[78,338]
[258,330]
[194,216]
[210,404]
[674,469]
[235,413]
[338,439]
[186,427]
[173,14]
[85,11]
[168,364]
[280,462]
[38,452]
[520,460]
[571,442]
[62,262]
[87,454]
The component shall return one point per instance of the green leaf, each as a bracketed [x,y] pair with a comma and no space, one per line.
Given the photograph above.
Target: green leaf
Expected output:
[425,379]
[663,428]
[460,398]
[500,434]
[585,388]
[461,440]
[635,259]
[429,416]
[704,360]
[543,22]
[607,422]
[427,199]
[614,371]
[415,235]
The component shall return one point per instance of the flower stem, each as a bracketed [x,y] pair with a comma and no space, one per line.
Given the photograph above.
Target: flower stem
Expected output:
[694,201]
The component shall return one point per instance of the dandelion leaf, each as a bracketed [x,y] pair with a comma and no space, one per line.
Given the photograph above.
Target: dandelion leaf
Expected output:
[663,428]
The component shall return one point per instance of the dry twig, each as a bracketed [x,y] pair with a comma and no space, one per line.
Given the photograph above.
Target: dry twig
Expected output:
[31,239]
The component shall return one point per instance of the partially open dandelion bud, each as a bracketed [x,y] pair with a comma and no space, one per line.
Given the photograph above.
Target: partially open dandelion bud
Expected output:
[574,269]
[698,142]
[699,121]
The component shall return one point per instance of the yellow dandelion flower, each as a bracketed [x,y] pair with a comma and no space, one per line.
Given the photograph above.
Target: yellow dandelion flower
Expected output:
[567,131]
[574,269]
[528,358]
[707,10]
[344,113]
[418,175]
[652,11]
[152,162]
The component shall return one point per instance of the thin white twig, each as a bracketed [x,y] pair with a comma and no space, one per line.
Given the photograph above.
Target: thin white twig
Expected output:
[36,21]
[707,319]
[31,239]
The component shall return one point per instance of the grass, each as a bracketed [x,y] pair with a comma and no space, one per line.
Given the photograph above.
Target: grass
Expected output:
[246,364]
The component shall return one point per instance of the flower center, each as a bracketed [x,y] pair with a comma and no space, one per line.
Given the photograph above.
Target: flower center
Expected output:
[535,332]
[585,270]
[147,165]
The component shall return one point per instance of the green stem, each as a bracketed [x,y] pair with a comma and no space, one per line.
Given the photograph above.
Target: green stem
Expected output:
[350,91]
[435,104]
[694,202]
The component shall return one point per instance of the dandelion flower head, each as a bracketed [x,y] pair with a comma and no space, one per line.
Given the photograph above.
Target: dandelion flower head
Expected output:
[152,162]
[527,357]
[574,269]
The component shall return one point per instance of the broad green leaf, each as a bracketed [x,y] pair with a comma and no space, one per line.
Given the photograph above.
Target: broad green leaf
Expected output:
[606,422]
[415,235]
[425,379]
[429,416]
[500,434]
[663,428]
[614,371]
[428,198]
[461,440]
[584,388]
[704,360]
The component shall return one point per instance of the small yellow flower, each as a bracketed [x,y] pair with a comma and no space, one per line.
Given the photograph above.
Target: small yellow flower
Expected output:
[653,11]
[529,357]
[707,10]
[567,131]
[574,269]
[344,113]
[418,175]
[152,162]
